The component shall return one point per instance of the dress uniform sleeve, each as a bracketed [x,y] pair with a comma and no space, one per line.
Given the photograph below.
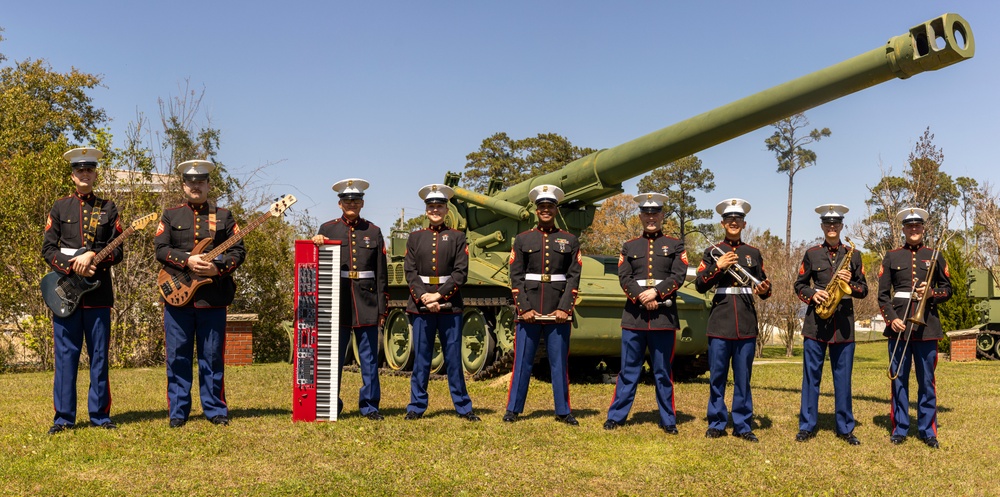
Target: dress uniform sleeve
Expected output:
[568,299]
[118,253]
[885,291]
[629,285]
[381,275]
[460,270]
[165,253]
[234,256]
[677,273]
[803,282]
[57,260]
[708,272]
[516,264]
[413,281]
[858,283]
[942,281]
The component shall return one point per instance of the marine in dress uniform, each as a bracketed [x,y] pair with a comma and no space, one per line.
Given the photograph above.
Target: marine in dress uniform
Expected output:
[732,322]
[650,269]
[82,221]
[364,284]
[902,282]
[545,264]
[202,321]
[436,266]
[835,333]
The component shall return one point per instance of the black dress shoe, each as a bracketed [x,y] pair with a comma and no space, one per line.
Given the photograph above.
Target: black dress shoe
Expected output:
[374,416]
[931,442]
[897,439]
[220,420]
[804,435]
[611,425]
[669,429]
[849,438]
[748,436]
[568,419]
[509,417]
[411,415]
[470,416]
[56,428]
[715,433]
[110,425]
[177,422]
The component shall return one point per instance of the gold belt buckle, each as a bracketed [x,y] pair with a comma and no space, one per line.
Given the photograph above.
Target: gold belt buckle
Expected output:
[352,275]
[546,277]
[650,283]
[433,280]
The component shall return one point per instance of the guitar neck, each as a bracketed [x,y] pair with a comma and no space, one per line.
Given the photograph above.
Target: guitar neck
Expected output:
[103,254]
[217,251]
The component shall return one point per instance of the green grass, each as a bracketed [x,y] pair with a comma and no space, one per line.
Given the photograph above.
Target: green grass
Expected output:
[263,453]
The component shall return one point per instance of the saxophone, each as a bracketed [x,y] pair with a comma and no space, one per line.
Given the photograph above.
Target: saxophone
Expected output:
[837,287]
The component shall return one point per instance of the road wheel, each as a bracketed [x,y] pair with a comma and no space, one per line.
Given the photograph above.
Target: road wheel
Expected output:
[478,344]
[398,344]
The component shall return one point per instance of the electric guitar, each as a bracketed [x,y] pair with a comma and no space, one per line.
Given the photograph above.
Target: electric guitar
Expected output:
[62,292]
[179,285]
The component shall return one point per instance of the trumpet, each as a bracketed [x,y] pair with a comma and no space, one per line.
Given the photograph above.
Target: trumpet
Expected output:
[738,272]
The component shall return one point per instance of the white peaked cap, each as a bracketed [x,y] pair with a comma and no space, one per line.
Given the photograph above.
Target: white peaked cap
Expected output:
[733,206]
[546,193]
[436,193]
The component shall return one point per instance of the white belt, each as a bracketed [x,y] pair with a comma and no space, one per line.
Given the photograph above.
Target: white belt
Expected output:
[544,277]
[358,275]
[733,290]
[902,295]
[68,251]
[435,280]
[648,283]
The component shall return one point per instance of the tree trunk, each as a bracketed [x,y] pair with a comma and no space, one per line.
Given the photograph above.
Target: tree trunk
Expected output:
[788,220]
[790,325]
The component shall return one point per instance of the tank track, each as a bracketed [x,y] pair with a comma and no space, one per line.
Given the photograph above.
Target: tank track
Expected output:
[992,353]
[501,366]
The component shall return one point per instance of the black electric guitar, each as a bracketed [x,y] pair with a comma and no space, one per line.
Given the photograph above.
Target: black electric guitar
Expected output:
[178,285]
[62,292]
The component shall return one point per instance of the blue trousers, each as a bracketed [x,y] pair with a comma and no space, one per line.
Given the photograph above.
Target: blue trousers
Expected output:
[69,333]
[841,365]
[720,354]
[184,327]
[923,356]
[370,393]
[557,348]
[661,354]
[425,328]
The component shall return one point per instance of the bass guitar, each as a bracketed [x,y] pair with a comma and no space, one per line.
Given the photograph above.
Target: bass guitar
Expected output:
[177,286]
[62,292]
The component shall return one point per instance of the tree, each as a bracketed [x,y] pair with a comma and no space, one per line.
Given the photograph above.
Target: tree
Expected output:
[966,191]
[678,180]
[959,312]
[782,312]
[787,146]
[513,161]
[615,222]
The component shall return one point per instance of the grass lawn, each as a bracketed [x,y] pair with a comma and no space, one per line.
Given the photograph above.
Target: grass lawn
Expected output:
[263,453]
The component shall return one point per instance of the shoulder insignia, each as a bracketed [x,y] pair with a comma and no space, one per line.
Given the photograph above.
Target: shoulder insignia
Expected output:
[881,269]
[701,266]
[48,222]
[579,258]
[802,268]
[621,259]
[510,260]
[946,272]
[160,228]
[118,225]
[236,228]
[466,250]
[684,257]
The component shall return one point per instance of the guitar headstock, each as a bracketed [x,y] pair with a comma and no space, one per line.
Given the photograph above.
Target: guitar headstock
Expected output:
[141,223]
[282,204]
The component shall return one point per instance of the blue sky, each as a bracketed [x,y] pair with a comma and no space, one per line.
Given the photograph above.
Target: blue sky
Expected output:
[399,92]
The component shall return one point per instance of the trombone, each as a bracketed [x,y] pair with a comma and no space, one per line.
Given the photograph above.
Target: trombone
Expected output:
[917,316]
[737,271]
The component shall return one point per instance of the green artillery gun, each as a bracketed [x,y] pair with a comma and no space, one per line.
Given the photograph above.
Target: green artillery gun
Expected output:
[492,220]
[983,285]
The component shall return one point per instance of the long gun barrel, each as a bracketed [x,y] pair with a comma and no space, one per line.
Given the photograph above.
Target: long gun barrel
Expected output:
[929,46]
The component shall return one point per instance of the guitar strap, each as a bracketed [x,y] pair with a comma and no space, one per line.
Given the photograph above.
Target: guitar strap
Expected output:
[90,231]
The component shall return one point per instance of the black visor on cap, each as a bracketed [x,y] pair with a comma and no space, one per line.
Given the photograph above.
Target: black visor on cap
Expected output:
[436,200]
[650,210]
[734,214]
[913,221]
[351,196]
[831,220]
[78,165]
[196,177]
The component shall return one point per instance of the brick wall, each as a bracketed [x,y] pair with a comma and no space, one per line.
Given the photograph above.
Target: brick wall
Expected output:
[963,345]
[239,339]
